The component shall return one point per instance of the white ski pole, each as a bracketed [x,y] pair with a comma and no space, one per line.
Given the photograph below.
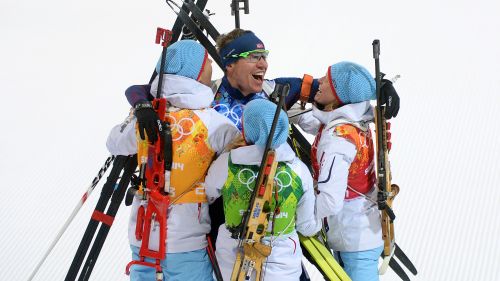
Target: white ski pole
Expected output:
[86,195]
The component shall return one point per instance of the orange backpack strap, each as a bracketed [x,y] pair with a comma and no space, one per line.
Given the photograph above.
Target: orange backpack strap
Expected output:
[305,89]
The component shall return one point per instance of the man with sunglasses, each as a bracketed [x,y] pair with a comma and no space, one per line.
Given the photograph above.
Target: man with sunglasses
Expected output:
[244,59]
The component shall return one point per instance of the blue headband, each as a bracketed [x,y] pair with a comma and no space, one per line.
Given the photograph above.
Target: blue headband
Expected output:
[246,42]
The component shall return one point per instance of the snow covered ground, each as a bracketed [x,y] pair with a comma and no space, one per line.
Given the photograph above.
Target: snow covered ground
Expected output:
[64,66]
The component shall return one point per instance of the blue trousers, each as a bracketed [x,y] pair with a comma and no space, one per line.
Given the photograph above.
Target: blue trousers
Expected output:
[194,265]
[363,265]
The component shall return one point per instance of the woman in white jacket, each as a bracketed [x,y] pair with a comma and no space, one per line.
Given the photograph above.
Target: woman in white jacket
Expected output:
[233,176]
[199,133]
[343,164]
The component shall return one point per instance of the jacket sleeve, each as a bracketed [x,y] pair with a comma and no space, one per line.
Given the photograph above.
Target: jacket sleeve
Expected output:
[222,132]
[216,177]
[306,121]
[295,86]
[335,155]
[137,93]
[122,139]
[307,223]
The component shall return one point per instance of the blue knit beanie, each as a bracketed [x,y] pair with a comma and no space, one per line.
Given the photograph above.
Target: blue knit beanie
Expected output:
[351,83]
[185,58]
[258,118]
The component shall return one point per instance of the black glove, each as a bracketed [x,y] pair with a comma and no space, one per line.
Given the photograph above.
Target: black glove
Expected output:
[148,120]
[390,98]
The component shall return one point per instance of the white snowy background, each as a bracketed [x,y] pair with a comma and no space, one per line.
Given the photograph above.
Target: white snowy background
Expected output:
[64,66]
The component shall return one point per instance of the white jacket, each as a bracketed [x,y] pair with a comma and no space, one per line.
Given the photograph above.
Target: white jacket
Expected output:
[354,225]
[187,224]
[284,263]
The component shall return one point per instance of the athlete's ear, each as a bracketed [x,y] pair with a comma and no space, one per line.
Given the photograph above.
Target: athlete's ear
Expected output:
[229,67]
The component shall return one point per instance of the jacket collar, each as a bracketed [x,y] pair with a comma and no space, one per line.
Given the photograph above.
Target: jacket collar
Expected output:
[235,93]
[183,92]
[252,154]
[356,112]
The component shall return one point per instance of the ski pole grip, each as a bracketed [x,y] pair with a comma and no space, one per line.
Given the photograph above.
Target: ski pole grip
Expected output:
[376,48]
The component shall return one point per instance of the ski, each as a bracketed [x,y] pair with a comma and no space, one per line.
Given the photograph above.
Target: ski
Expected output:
[202,19]
[394,265]
[301,146]
[107,220]
[195,29]
[323,258]
[178,24]
[98,215]
[405,260]
[177,28]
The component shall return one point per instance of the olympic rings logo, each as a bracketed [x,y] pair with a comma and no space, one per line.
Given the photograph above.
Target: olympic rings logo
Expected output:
[252,176]
[180,126]
[232,113]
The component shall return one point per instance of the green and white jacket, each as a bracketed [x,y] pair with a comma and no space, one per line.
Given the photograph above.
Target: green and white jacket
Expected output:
[233,176]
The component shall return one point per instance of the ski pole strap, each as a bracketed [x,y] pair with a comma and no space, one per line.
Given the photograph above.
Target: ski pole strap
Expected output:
[305,90]
[102,217]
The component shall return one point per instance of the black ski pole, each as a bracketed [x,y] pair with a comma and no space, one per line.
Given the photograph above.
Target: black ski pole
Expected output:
[106,192]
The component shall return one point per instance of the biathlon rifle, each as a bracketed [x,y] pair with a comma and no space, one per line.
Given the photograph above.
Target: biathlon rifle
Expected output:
[251,251]
[386,190]
[155,163]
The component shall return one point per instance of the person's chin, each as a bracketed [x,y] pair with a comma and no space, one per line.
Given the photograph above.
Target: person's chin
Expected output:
[257,88]
[319,105]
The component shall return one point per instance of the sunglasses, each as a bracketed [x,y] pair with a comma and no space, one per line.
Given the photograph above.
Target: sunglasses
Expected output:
[252,56]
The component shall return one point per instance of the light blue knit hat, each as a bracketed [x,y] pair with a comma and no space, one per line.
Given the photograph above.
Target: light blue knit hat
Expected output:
[258,118]
[185,58]
[351,83]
